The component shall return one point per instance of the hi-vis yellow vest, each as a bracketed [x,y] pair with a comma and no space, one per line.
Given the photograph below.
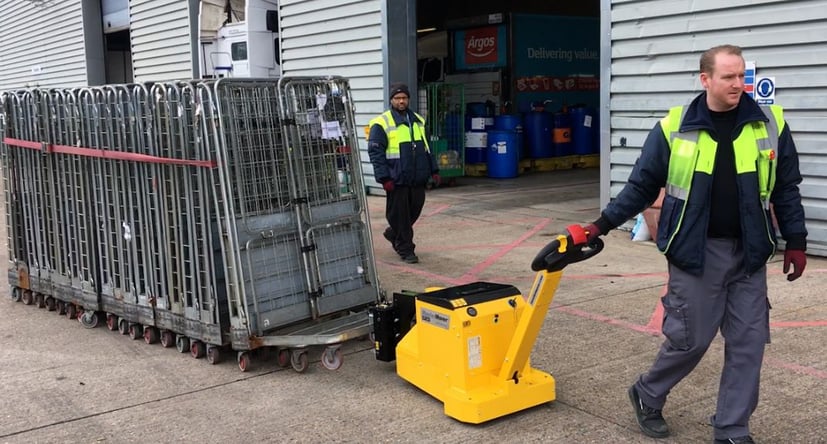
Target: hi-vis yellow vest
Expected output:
[694,152]
[398,135]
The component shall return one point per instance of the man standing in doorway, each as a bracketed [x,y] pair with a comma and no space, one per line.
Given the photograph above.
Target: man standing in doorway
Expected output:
[723,161]
[403,164]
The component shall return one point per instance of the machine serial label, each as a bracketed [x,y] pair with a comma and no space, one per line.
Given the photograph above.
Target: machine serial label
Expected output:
[474,353]
[436,319]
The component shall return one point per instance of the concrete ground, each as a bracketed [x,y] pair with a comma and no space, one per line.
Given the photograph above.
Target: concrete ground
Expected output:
[63,383]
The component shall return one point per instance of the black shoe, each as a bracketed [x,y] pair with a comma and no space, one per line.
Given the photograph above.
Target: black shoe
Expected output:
[650,420]
[410,258]
[389,235]
[739,440]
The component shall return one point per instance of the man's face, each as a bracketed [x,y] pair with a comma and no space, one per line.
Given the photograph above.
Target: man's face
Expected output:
[399,102]
[725,84]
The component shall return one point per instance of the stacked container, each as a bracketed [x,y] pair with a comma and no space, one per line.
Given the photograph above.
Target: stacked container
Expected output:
[215,216]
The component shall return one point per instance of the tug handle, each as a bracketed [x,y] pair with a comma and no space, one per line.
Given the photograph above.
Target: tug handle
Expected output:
[566,249]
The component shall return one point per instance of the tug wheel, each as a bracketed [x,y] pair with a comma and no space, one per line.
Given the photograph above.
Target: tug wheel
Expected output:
[197,349]
[298,360]
[123,326]
[283,357]
[135,331]
[213,355]
[150,335]
[71,311]
[243,361]
[167,339]
[182,344]
[332,358]
[16,294]
[89,319]
[111,322]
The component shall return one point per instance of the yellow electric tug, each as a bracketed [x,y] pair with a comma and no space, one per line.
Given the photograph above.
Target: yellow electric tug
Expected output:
[469,346]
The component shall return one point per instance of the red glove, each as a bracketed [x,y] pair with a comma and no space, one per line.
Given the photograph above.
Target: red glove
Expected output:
[388,185]
[592,232]
[437,179]
[799,261]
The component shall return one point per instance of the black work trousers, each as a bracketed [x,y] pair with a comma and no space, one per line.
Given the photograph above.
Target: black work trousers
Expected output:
[403,206]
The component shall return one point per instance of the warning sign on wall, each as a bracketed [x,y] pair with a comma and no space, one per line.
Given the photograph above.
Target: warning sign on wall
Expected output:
[765,90]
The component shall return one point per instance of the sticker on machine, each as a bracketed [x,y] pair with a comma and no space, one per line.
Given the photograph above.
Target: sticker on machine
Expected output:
[436,319]
[474,352]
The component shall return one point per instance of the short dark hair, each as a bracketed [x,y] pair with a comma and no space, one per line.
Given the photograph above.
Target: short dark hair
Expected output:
[708,57]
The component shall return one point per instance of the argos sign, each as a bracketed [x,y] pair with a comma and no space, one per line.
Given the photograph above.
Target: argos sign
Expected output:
[480,48]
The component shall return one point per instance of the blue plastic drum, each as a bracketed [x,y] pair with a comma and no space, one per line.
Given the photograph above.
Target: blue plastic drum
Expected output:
[512,122]
[503,154]
[537,129]
[583,130]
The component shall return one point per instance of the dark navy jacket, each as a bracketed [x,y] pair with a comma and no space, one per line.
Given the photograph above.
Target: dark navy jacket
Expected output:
[415,165]
[687,249]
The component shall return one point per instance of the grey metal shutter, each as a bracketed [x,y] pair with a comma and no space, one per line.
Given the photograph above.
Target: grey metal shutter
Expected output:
[42,45]
[161,40]
[344,38]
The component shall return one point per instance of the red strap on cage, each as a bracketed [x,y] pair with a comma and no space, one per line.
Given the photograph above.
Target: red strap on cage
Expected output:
[106,154]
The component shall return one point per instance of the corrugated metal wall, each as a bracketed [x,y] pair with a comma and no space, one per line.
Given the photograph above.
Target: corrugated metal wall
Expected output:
[54,55]
[655,46]
[161,40]
[338,37]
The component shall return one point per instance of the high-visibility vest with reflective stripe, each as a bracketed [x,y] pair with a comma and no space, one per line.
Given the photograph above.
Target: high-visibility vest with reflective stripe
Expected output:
[398,135]
[694,152]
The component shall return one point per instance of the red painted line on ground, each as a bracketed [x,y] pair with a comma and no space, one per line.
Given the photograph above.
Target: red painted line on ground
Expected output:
[473,272]
[412,269]
[438,210]
[607,320]
[797,368]
[656,321]
[795,324]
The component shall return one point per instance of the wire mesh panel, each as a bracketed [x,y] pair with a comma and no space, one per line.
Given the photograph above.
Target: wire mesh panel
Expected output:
[117,209]
[274,281]
[187,292]
[343,265]
[266,282]
[329,190]
[15,234]
[70,189]
[256,171]
[445,120]
[25,121]
[321,135]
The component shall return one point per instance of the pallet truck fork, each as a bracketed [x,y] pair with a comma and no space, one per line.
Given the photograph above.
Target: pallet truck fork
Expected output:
[469,346]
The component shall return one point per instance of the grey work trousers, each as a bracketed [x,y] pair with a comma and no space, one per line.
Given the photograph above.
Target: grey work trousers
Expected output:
[695,307]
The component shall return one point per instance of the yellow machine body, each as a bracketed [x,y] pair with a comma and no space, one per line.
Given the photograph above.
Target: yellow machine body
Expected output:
[470,348]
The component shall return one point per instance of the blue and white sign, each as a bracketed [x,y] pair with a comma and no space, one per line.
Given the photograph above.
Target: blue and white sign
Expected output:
[765,91]
[749,78]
